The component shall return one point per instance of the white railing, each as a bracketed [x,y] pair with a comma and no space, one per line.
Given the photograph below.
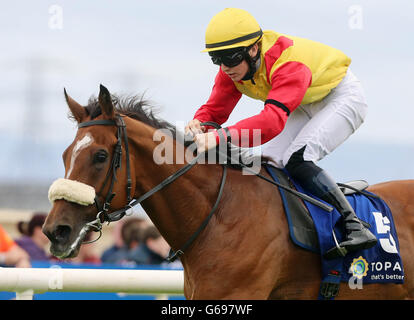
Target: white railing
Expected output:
[28,281]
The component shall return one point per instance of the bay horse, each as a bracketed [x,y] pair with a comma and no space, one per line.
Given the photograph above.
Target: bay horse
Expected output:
[245,251]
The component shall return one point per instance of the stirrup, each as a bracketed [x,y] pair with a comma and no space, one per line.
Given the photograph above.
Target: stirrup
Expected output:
[336,251]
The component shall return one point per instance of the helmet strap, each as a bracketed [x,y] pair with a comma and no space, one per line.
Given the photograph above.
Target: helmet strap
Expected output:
[253,63]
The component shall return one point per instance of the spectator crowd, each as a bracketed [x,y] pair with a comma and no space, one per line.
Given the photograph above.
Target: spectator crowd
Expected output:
[136,242]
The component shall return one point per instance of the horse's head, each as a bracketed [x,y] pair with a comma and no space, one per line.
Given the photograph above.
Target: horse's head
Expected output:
[92,176]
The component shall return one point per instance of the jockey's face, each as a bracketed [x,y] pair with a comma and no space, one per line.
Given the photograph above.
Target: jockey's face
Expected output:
[238,72]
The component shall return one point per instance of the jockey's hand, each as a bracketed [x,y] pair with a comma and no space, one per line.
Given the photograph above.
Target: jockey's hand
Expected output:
[205,141]
[194,127]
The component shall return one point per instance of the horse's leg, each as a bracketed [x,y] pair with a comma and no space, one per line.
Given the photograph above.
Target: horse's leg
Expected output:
[223,286]
[300,276]
[234,277]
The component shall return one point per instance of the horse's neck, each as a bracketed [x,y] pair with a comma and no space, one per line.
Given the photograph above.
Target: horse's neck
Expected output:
[178,209]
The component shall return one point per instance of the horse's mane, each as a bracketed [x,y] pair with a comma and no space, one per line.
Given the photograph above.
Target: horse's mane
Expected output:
[135,107]
[138,108]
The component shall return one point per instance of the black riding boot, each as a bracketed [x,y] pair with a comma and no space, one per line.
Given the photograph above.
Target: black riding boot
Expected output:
[317,181]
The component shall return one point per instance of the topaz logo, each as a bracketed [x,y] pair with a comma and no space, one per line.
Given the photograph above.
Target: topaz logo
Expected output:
[359,267]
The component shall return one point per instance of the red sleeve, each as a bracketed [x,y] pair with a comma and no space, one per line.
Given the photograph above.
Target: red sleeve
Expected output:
[289,85]
[222,101]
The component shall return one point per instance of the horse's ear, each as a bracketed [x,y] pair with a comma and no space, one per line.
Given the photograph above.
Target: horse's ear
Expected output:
[105,102]
[78,112]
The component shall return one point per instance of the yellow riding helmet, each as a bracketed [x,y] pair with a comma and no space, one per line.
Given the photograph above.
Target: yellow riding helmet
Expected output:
[231,28]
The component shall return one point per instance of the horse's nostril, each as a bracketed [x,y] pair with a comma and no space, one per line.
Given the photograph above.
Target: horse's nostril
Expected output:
[62,233]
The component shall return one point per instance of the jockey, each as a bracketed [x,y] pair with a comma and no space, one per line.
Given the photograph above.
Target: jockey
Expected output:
[312,104]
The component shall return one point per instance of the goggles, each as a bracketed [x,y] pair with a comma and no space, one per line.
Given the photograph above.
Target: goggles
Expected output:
[230,59]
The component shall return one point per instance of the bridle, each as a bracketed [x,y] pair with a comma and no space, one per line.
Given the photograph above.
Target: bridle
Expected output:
[103,207]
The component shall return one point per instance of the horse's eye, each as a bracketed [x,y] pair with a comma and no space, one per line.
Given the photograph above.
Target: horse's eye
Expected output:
[100,157]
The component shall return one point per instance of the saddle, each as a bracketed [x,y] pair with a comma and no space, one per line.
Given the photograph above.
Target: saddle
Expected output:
[301,226]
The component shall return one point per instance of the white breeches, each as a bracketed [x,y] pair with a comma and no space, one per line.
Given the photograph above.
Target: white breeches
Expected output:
[320,126]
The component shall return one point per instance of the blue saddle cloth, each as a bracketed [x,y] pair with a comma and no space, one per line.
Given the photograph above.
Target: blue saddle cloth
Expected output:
[379,264]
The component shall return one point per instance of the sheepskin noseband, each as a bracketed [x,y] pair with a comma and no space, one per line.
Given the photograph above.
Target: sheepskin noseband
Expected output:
[72,191]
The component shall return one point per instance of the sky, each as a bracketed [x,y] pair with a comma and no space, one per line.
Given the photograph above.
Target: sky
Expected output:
[154,47]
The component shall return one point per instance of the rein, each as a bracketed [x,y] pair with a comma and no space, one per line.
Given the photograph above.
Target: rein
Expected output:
[103,209]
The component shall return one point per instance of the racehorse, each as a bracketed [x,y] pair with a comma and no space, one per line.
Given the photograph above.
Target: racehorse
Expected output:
[244,251]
